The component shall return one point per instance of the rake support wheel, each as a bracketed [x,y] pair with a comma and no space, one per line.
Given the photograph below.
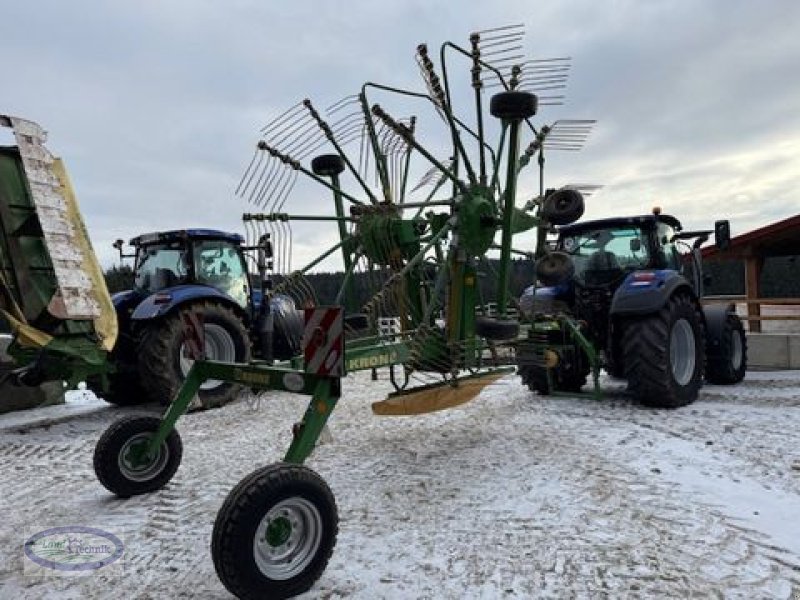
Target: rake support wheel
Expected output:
[275,533]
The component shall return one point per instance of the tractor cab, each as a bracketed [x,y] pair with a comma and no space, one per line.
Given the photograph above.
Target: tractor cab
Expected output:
[604,252]
[192,257]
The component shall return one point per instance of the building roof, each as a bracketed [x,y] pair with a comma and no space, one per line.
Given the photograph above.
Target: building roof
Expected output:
[781,238]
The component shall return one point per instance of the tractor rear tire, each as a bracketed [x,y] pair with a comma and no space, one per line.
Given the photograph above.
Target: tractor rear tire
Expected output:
[730,365]
[275,533]
[664,354]
[160,355]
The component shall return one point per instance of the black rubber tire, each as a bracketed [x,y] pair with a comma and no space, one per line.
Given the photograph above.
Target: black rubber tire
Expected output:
[496,329]
[720,369]
[573,381]
[513,105]
[107,456]
[238,519]
[327,165]
[563,207]
[159,355]
[554,268]
[646,352]
[123,389]
[535,378]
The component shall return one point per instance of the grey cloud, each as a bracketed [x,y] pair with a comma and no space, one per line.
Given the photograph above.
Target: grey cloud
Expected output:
[155,106]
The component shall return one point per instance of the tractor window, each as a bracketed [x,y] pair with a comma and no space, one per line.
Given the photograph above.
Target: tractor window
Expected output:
[219,264]
[667,255]
[160,266]
[603,256]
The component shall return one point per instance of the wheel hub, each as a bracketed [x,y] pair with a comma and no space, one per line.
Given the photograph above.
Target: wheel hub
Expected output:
[136,464]
[279,531]
[287,538]
[682,351]
[736,350]
[219,345]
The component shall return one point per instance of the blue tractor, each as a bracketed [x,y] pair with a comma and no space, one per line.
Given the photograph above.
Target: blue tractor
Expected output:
[205,272]
[623,294]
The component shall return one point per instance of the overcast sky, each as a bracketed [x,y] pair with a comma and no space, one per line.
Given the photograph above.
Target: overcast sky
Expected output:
[155,105]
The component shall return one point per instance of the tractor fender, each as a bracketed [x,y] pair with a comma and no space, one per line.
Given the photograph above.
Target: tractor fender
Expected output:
[715,316]
[167,300]
[646,292]
[125,301]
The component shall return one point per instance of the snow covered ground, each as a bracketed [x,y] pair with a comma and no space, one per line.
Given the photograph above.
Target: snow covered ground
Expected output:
[510,495]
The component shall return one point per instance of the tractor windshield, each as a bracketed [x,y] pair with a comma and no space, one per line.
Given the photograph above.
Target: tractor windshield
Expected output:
[161,266]
[603,256]
[219,264]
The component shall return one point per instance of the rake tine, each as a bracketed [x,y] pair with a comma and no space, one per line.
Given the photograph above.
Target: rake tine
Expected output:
[259,191]
[288,186]
[258,158]
[500,36]
[545,88]
[286,127]
[285,174]
[502,28]
[255,192]
[336,106]
[280,117]
[270,184]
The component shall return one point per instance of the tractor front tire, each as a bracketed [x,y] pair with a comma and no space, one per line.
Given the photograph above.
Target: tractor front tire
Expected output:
[123,389]
[664,354]
[163,365]
[729,365]
[117,465]
[275,533]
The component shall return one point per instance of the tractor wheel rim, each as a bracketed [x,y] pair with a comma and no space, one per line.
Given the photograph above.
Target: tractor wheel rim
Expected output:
[682,351]
[736,350]
[219,345]
[145,471]
[287,538]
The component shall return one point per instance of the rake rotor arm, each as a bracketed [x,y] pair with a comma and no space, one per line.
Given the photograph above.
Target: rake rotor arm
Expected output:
[459,122]
[443,100]
[380,157]
[405,133]
[323,125]
[262,145]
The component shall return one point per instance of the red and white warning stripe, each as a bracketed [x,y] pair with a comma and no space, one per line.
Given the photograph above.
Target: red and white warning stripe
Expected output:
[194,334]
[323,341]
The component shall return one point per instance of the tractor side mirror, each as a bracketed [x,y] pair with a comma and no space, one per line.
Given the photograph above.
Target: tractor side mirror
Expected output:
[722,234]
[117,245]
[264,253]
[636,245]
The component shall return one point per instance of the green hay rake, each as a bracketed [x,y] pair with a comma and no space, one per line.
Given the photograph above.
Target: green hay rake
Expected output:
[415,256]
